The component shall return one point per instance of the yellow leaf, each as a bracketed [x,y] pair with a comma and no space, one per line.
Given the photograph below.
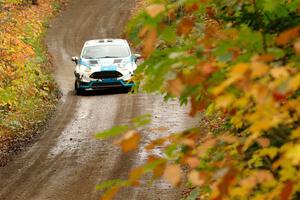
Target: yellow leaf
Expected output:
[194,178]
[220,88]
[173,174]
[259,69]
[295,134]
[224,100]
[239,69]
[279,72]
[294,154]
[294,83]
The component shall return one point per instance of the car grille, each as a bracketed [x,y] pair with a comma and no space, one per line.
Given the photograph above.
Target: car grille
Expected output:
[105,85]
[106,75]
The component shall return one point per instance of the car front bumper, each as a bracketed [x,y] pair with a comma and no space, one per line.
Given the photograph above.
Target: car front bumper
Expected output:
[105,83]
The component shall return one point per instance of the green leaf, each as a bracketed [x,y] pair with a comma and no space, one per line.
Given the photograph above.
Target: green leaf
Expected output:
[271,5]
[115,131]
[110,183]
[142,120]
[169,35]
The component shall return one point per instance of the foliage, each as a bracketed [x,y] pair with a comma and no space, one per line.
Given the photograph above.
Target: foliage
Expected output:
[237,61]
[27,90]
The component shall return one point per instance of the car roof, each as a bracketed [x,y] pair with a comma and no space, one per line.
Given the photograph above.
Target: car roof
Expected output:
[105,42]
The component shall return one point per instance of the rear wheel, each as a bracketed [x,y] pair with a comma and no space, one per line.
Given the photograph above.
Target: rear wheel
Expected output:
[78,90]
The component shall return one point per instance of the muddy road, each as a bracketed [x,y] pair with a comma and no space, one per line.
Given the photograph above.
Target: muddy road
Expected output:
[67,162]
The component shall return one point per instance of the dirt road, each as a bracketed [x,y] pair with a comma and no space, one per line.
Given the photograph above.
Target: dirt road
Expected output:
[66,163]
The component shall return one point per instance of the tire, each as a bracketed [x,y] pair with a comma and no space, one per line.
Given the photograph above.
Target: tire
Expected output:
[77,89]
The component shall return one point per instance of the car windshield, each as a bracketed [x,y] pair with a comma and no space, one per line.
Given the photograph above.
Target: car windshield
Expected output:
[105,51]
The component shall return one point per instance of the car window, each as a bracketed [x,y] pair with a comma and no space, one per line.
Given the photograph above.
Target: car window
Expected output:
[105,51]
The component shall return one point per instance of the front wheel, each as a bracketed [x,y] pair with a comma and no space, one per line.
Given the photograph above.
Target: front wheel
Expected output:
[78,90]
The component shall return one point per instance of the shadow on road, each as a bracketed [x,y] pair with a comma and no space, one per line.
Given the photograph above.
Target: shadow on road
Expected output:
[113,91]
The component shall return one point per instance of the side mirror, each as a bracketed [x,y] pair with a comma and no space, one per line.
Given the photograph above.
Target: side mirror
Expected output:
[75,59]
[137,56]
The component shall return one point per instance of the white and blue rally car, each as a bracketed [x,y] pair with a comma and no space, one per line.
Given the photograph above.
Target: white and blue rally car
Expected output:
[104,63]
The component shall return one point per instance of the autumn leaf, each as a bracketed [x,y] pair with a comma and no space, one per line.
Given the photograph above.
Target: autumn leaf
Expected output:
[159,170]
[287,191]
[129,141]
[297,46]
[293,154]
[173,174]
[111,193]
[193,162]
[224,101]
[264,58]
[136,174]
[149,42]
[186,25]
[194,178]
[191,8]
[287,36]
[223,187]
[155,9]
[264,142]
[175,87]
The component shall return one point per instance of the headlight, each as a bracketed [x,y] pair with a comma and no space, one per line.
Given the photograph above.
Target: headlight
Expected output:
[85,69]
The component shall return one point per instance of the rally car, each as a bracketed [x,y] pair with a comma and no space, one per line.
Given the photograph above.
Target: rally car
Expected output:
[104,63]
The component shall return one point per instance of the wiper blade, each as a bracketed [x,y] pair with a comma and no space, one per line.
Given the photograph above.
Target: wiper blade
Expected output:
[108,57]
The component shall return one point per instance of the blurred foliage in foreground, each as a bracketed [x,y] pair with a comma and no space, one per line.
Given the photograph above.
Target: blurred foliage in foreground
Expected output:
[27,91]
[237,61]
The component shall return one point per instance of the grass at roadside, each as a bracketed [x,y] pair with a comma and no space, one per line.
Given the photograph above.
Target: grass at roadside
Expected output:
[28,92]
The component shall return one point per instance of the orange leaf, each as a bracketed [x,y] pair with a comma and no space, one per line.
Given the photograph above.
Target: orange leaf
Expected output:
[226,182]
[175,87]
[159,170]
[155,9]
[110,194]
[194,178]
[287,190]
[193,162]
[264,142]
[149,42]
[155,143]
[297,47]
[191,8]
[186,25]
[129,141]
[287,36]
[136,174]
[173,174]
[264,58]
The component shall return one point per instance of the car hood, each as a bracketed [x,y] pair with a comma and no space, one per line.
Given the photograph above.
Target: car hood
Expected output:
[105,62]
